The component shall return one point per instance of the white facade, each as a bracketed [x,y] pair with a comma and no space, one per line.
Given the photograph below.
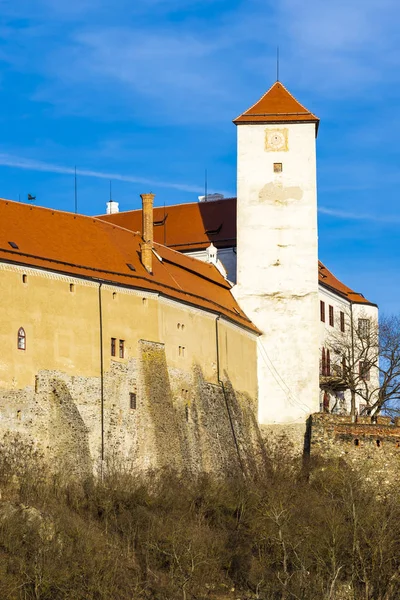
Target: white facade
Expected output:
[277,258]
[331,332]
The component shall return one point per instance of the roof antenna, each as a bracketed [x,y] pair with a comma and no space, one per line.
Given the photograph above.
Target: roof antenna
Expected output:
[76,193]
[277,63]
[110,192]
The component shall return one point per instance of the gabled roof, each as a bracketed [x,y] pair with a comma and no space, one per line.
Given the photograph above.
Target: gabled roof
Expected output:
[92,248]
[189,227]
[277,106]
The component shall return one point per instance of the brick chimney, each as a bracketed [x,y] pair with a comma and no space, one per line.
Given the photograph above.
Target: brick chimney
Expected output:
[147,232]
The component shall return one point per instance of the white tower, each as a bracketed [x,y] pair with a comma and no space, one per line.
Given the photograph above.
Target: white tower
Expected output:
[277,260]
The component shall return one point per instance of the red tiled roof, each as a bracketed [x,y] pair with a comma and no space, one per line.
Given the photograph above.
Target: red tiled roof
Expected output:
[277,106]
[186,227]
[327,279]
[189,227]
[92,248]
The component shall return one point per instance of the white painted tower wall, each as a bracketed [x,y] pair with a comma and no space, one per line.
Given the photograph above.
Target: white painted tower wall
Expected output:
[277,275]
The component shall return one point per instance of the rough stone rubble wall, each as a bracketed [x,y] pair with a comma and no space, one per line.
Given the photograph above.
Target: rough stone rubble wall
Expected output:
[181,420]
[364,445]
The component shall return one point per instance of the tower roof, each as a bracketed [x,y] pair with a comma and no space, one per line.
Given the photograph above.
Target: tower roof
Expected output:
[277,106]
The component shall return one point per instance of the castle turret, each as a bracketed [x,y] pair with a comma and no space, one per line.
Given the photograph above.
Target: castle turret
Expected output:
[277,262]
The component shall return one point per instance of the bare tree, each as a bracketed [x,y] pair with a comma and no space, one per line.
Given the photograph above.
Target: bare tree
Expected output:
[365,360]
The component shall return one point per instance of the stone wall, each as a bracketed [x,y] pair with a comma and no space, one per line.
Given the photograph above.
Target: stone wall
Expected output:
[181,420]
[364,445]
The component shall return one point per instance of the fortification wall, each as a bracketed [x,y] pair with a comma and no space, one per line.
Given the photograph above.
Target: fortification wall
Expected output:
[373,447]
[180,420]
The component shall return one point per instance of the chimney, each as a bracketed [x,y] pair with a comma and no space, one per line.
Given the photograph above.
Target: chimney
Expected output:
[147,231]
[112,207]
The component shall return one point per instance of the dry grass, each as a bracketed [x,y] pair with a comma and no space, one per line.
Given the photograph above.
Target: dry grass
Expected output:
[324,537]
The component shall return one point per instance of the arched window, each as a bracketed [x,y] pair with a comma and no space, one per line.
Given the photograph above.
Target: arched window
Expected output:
[21,339]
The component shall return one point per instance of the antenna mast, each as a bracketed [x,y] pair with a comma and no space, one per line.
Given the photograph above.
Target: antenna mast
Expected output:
[76,193]
[277,63]
[205,185]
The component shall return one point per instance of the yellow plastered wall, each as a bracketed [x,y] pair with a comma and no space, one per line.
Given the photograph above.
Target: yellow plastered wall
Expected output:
[61,319]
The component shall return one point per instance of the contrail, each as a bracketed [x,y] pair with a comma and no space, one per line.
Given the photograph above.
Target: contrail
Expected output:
[34,165]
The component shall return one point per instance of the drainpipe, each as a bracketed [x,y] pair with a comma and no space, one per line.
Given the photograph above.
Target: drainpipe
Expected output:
[228,410]
[352,391]
[101,382]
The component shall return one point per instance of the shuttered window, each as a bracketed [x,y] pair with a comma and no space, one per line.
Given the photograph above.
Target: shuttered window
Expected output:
[322,310]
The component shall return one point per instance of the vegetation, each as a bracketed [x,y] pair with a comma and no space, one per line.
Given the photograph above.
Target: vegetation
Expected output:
[293,534]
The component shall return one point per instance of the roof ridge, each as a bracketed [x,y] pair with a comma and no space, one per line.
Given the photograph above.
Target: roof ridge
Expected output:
[124,212]
[63,212]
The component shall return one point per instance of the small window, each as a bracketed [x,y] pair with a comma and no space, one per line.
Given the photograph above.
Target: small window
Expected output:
[182,327]
[71,287]
[331,317]
[378,443]
[277,167]
[322,310]
[113,346]
[114,295]
[356,442]
[323,363]
[328,362]
[364,370]
[181,350]
[178,326]
[24,278]
[14,245]
[121,348]
[363,328]
[21,339]
[132,400]
[341,321]
[144,301]
[344,370]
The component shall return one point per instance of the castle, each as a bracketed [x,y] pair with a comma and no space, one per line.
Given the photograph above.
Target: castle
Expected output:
[167,336]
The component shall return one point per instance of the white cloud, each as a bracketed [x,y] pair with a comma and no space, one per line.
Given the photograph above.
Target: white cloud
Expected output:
[35,165]
[355,216]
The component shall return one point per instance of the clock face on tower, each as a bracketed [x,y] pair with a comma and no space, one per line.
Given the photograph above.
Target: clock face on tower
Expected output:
[276,140]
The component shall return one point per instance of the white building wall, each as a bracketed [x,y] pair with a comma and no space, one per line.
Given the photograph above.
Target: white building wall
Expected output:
[277,283]
[328,334]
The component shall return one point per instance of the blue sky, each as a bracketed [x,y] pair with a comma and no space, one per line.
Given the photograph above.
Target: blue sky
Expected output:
[144,92]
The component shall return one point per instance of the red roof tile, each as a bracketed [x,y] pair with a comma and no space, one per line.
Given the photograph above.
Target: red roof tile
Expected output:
[327,279]
[92,248]
[277,106]
[189,227]
[186,227]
